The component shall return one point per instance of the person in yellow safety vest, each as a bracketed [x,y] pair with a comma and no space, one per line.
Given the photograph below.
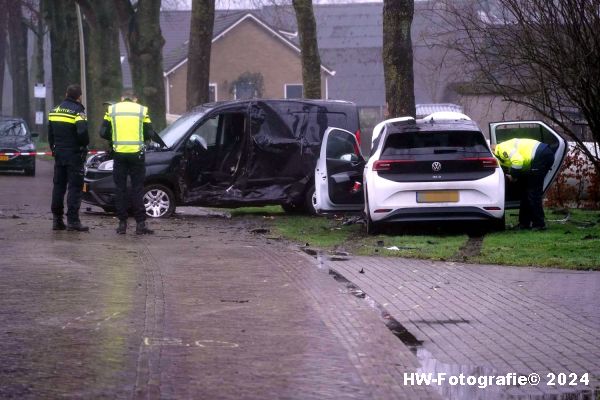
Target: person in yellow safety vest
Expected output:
[127,126]
[526,162]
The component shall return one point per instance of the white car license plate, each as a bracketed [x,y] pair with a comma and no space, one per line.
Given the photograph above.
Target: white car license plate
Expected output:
[437,196]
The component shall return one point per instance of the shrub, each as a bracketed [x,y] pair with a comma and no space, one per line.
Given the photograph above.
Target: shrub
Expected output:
[577,183]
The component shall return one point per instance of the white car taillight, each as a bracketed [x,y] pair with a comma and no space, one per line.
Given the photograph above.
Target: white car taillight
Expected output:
[386,165]
[486,162]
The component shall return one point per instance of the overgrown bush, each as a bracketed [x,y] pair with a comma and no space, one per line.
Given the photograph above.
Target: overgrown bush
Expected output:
[577,184]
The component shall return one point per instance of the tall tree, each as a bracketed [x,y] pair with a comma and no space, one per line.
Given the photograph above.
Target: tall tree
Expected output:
[61,19]
[3,34]
[18,65]
[200,43]
[103,61]
[544,55]
[311,61]
[140,26]
[39,30]
[398,57]
[35,22]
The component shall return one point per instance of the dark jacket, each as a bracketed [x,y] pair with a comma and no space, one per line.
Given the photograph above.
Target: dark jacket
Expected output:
[67,127]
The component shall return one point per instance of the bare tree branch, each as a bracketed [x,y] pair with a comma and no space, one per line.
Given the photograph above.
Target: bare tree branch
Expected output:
[543,55]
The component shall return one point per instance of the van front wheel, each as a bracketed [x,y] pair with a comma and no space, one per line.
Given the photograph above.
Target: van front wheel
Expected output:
[159,201]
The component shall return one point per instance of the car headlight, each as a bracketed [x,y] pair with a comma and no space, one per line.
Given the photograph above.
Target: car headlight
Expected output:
[106,165]
[27,147]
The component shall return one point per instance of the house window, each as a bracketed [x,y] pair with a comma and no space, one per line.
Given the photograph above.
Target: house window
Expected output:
[248,85]
[212,92]
[245,90]
[294,91]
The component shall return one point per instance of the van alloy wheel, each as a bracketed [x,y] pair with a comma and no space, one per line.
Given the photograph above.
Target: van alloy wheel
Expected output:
[159,201]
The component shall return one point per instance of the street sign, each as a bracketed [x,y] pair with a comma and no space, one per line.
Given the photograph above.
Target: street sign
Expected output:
[39,91]
[39,118]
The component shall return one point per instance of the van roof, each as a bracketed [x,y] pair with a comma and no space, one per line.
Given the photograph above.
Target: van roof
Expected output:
[305,101]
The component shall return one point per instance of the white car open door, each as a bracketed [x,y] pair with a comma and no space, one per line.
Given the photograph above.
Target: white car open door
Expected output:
[339,173]
[506,130]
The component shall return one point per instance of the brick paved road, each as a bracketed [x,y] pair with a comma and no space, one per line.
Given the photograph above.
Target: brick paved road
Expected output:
[489,319]
[206,310]
[201,310]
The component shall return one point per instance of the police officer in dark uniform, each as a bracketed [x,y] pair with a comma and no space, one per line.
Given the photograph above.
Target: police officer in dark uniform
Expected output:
[127,126]
[68,138]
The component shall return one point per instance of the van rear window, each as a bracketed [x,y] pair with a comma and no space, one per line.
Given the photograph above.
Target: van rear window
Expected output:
[414,143]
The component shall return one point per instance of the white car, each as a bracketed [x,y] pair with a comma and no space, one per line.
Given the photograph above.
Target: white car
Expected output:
[439,168]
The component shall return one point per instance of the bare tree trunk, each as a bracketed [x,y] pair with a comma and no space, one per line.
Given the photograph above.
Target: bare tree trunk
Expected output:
[38,71]
[18,66]
[311,61]
[103,62]
[140,27]
[61,18]
[398,57]
[3,34]
[198,66]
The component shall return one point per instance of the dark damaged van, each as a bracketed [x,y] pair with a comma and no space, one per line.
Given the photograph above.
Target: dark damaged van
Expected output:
[232,154]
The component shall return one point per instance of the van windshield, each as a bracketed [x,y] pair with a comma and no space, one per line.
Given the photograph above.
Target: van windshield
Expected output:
[174,132]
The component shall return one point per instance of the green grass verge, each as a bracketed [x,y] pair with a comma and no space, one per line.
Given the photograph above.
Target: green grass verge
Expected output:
[573,243]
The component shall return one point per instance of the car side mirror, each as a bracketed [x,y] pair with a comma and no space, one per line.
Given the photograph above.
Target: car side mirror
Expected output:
[350,157]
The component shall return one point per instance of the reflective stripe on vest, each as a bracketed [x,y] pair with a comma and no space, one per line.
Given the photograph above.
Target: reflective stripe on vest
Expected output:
[127,120]
[61,117]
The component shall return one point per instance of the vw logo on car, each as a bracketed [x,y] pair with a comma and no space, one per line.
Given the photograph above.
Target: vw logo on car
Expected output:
[436,166]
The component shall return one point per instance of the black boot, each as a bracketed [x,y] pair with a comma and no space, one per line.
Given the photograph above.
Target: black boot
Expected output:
[58,224]
[142,229]
[122,229]
[76,226]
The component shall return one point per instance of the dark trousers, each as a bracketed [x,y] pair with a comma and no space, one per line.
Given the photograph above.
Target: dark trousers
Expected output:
[132,165]
[531,187]
[68,175]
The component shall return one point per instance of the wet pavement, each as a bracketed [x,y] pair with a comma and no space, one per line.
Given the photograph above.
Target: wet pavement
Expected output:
[215,308]
[490,320]
[204,309]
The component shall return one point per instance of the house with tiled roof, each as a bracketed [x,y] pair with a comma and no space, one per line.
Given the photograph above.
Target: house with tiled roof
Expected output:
[249,58]
[256,53]
[265,42]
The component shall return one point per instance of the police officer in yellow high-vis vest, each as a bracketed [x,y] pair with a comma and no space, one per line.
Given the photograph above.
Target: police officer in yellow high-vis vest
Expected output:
[127,126]
[527,162]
